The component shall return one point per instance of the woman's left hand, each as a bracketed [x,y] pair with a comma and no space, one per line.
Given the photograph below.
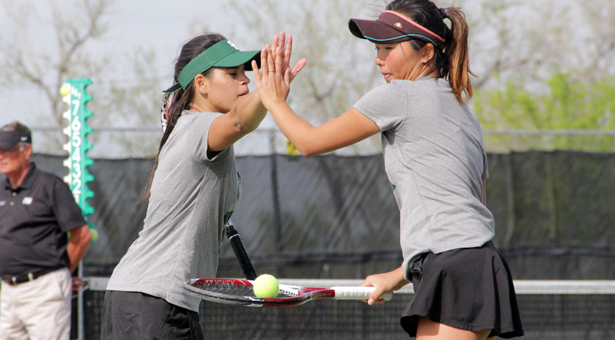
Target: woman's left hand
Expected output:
[384,282]
[286,44]
[274,78]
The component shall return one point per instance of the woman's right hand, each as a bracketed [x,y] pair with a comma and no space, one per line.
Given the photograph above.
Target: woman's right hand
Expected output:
[274,78]
[286,44]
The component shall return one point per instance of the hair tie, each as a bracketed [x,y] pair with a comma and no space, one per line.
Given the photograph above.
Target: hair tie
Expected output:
[443,13]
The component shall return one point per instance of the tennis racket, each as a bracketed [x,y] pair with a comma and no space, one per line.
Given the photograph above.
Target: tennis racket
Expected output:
[240,251]
[240,292]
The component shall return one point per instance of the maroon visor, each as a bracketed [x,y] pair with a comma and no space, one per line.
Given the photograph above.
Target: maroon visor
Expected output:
[391,28]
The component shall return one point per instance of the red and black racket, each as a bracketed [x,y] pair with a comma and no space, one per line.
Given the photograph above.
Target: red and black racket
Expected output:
[240,251]
[240,292]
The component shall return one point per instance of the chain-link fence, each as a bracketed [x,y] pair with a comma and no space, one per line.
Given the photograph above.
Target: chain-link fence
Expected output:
[113,142]
[334,216]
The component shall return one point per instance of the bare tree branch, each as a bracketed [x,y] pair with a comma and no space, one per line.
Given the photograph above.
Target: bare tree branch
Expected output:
[46,68]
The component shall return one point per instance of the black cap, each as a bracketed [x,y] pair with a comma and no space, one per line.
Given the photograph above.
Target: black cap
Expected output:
[8,139]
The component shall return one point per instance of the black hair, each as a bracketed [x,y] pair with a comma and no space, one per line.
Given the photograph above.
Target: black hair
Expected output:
[452,61]
[181,99]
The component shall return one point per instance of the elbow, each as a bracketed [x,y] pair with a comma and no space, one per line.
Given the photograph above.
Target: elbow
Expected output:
[245,128]
[307,153]
[308,147]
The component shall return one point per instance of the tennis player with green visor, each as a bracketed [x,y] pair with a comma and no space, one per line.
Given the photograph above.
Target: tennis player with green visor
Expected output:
[193,189]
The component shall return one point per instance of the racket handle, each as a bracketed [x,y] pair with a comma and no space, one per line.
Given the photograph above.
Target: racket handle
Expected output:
[240,252]
[358,293]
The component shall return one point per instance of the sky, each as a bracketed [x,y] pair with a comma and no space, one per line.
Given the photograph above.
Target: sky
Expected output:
[159,23]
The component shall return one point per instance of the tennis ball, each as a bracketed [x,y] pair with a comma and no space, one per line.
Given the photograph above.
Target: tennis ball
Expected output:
[94,233]
[266,286]
[64,90]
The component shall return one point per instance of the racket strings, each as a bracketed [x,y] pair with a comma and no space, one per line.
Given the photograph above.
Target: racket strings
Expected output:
[227,288]
[230,289]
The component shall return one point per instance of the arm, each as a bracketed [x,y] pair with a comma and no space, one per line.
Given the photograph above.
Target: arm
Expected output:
[78,245]
[384,282]
[244,117]
[248,112]
[349,128]
[273,86]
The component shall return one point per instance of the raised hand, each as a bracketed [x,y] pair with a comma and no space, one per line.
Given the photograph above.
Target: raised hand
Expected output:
[286,44]
[273,79]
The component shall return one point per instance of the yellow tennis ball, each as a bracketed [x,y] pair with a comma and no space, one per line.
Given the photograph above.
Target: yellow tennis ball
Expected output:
[266,286]
[64,90]
[94,234]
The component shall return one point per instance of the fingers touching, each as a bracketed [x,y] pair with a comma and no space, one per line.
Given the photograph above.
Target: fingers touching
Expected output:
[276,58]
[275,75]
[284,43]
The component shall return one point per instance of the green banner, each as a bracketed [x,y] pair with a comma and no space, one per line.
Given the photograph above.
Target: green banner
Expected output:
[74,94]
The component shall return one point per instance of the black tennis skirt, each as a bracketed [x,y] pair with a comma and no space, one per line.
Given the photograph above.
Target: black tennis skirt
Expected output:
[469,288]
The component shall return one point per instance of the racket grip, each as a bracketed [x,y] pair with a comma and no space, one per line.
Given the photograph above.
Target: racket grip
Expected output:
[358,293]
[240,252]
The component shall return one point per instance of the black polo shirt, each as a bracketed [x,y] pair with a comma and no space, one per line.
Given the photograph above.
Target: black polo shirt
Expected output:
[34,219]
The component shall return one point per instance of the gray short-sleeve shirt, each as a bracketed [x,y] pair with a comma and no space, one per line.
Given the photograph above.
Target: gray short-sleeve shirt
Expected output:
[190,196]
[435,160]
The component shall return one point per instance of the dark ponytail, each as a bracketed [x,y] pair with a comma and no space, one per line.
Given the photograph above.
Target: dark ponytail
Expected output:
[452,61]
[456,53]
[180,100]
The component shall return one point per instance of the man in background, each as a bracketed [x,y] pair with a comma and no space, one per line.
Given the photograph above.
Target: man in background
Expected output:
[37,209]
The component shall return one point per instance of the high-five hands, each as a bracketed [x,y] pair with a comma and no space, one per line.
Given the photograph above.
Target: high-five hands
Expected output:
[287,46]
[274,78]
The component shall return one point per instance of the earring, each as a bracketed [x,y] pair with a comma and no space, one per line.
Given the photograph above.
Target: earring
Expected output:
[424,61]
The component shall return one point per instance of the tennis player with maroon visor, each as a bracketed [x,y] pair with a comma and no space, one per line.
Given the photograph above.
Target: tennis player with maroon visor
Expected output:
[436,162]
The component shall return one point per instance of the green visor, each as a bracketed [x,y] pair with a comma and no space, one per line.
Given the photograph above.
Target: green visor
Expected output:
[221,54]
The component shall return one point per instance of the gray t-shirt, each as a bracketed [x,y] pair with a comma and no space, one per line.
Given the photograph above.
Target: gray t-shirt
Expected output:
[435,160]
[183,228]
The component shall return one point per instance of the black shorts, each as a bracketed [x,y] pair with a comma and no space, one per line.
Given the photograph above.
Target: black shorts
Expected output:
[138,316]
[469,288]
